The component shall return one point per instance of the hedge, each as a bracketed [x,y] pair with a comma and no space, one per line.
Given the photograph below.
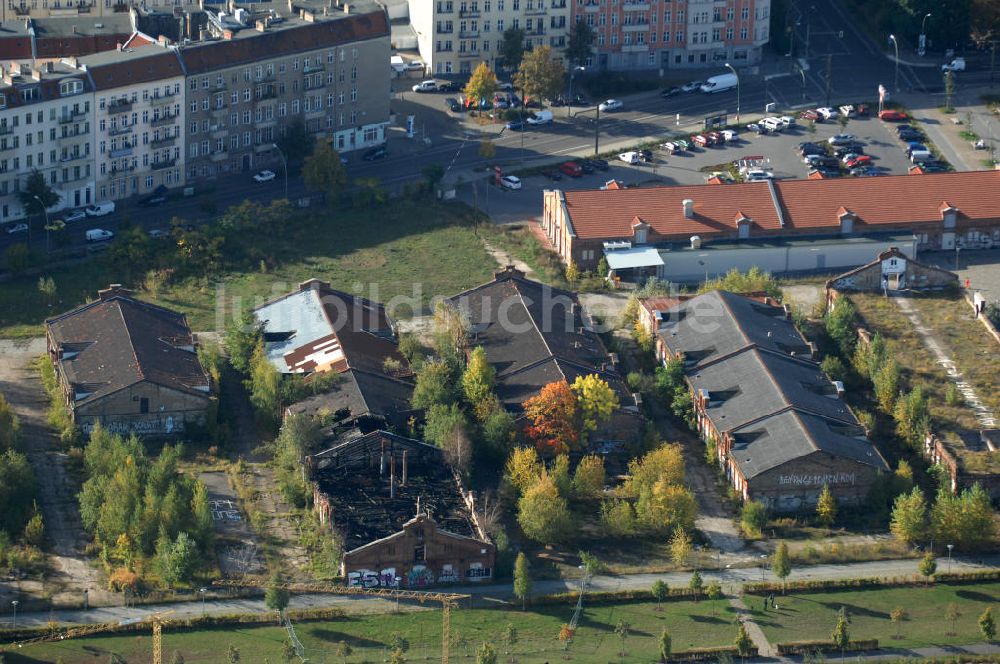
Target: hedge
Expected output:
[614,596]
[702,654]
[807,647]
[758,588]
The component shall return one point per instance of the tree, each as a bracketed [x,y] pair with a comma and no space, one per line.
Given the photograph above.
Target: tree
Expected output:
[486,653]
[433,174]
[680,546]
[987,625]
[559,472]
[540,76]
[512,48]
[543,514]
[523,468]
[580,44]
[34,531]
[479,377]
[572,272]
[232,654]
[781,565]
[36,188]
[621,629]
[840,325]
[743,642]
[178,560]
[897,616]
[322,171]
[886,385]
[588,479]
[909,516]
[47,287]
[841,636]
[912,415]
[660,591]
[965,520]
[952,614]
[552,419]
[826,507]
[297,142]
[595,399]
[243,334]
[265,385]
[927,566]
[447,428]
[487,149]
[696,583]
[482,84]
[276,596]
[18,258]
[434,385]
[713,592]
[17,491]
[510,639]
[949,91]
[10,426]
[522,579]
[665,644]
[753,517]
[398,642]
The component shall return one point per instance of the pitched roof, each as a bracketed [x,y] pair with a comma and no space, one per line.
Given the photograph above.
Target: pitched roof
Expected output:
[145,63]
[206,57]
[360,394]
[533,335]
[899,201]
[118,341]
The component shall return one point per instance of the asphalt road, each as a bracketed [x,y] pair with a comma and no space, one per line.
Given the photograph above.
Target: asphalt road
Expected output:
[487,595]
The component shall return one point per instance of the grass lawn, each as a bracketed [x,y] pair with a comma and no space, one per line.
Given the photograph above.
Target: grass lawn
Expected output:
[414,249]
[702,624]
[518,241]
[813,616]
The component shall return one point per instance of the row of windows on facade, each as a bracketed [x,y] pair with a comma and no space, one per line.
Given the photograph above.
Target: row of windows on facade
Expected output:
[64,113]
[716,16]
[448,7]
[696,37]
[23,6]
[32,93]
[448,27]
[121,186]
[124,164]
[125,142]
[69,175]
[265,92]
[638,17]
[446,45]
[66,171]
[262,71]
[307,104]
[147,94]
[719,56]
[38,138]
[117,122]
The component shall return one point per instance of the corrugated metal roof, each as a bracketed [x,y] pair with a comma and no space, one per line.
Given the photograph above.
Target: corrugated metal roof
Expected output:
[623,259]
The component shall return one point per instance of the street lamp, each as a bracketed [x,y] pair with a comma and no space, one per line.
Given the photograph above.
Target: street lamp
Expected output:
[86,599]
[950,547]
[732,69]
[203,591]
[572,74]
[895,79]
[46,211]
[14,604]
[284,163]
[922,43]
[597,126]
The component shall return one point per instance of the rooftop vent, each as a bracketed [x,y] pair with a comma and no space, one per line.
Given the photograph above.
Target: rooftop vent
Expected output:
[688,205]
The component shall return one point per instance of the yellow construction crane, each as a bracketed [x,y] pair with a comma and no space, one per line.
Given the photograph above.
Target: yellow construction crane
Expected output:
[157,619]
[447,600]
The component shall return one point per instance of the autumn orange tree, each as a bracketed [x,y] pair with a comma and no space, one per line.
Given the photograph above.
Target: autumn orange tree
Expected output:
[553,419]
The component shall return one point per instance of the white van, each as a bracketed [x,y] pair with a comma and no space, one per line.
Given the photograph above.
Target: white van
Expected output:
[100,208]
[720,83]
[396,64]
[921,155]
[98,235]
[772,125]
[540,118]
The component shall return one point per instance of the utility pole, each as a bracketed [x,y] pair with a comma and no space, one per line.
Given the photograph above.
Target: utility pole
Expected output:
[829,75]
[597,132]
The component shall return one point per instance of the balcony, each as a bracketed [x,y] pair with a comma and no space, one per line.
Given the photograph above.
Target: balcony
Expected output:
[159,100]
[220,112]
[270,93]
[469,13]
[445,31]
[315,113]
[118,131]
[536,32]
[636,6]
[468,34]
[163,120]
[219,156]
[540,11]
[635,48]
[166,163]
[120,170]
[220,133]
[313,68]
[635,27]
[4,146]
[72,116]
[6,129]
[122,152]
[263,78]
[591,7]
[120,107]
[469,54]
[66,158]
[75,136]
[163,142]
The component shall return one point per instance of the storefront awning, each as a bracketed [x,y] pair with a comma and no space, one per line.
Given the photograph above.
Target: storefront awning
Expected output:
[623,259]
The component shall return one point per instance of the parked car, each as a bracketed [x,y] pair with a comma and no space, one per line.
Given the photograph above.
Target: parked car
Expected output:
[700,140]
[682,144]
[375,154]
[862,160]
[541,118]
[730,134]
[826,172]
[958,64]
[100,208]
[506,86]
[611,106]
[571,168]
[98,235]
[600,164]
[787,120]
[453,105]
[907,136]
[511,182]
[17,228]
[631,157]
[693,86]
[158,234]
[74,215]
[669,146]
[848,110]
[756,128]
[915,146]
[447,86]
[671,91]
[587,166]
[153,201]
[808,149]
[515,125]
[933,166]
[772,125]
[715,138]
[810,114]
[890,115]
[552,175]
[759,176]
[426,86]
[264,176]
[828,113]
[842,139]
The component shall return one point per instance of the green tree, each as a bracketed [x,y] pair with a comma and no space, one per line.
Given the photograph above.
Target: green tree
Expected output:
[482,84]
[543,514]
[580,44]
[596,401]
[840,323]
[753,517]
[523,468]
[781,564]
[34,531]
[826,507]
[833,367]
[178,560]
[442,422]
[559,472]
[622,629]
[10,426]
[512,48]
[486,653]
[17,492]
[435,384]
[510,639]
[927,566]
[522,579]
[265,385]
[298,142]
[398,642]
[47,287]
[588,478]
[743,642]
[660,591]
[664,644]
[232,654]
[433,174]
[841,636]
[912,415]
[36,196]
[965,520]
[886,385]
[713,592]
[276,595]
[696,583]
[487,149]
[987,625]
[897,616]
[479,377]
[322,171]
[540,76]
[909,516]
[18,258]
[680,546]
[952,614]
[243,334]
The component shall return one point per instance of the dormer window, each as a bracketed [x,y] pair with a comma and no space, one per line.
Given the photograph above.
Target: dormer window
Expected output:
[70,87]
[29,94]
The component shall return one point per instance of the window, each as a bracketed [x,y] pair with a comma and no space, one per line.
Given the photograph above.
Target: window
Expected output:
[70,87]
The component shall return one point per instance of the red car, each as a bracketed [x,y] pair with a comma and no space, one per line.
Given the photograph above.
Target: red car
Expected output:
[571,168]
[863,160]
[810,115]
[716,138]
[893,116]
[700,140]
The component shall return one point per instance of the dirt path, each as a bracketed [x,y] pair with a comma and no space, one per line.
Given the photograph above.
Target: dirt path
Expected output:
[71,573]
[744,615]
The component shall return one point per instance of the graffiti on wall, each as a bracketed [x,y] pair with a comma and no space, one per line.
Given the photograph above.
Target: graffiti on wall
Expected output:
[366,578]
[818,480]
[147,426]
[419,576]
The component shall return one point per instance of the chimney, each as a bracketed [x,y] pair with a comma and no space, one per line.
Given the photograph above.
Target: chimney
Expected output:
[261,25]
[788,311]
[696,242]
[227,34]
[840,388]
[688,205]
[347,8]
[813,350]
[403,483]
[392,475]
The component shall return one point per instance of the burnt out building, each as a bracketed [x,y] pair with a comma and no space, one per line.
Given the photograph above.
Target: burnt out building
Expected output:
[401,512]
[779,425]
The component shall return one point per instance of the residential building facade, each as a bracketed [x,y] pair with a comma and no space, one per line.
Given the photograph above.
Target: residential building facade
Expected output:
[454,36]
[46,118]
[138,129]
[664,34]
[81,10]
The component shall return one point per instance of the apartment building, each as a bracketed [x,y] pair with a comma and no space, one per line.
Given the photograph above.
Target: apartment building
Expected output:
[46,116]
[664,34]
[138,123]
[276,64]
[52,39]
[83,11]
[454,36]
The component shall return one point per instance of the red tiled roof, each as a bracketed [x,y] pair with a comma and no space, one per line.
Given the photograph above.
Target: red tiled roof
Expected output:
[159,65]
[806,205]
